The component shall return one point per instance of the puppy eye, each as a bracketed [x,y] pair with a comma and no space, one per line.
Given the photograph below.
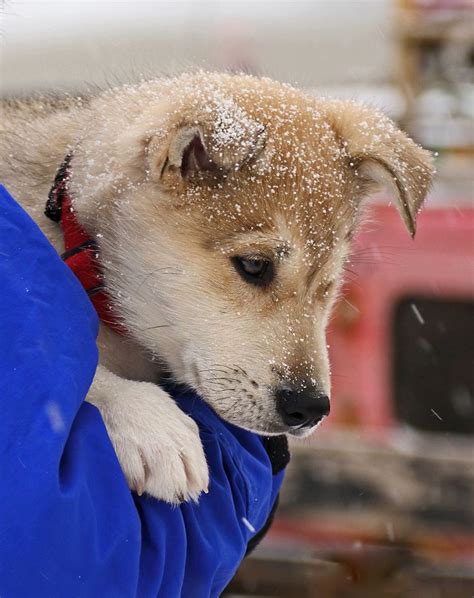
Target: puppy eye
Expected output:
[257,271]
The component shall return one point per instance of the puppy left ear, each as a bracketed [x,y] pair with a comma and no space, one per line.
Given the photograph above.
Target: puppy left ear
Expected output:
[384,156]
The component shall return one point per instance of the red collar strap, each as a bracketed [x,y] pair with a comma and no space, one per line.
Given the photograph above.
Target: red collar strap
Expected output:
[81,251]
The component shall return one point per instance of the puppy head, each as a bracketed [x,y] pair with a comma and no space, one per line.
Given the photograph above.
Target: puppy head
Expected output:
[227,224]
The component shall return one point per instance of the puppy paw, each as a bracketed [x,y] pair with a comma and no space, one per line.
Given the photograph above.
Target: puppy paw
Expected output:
[163,456]
[158,446]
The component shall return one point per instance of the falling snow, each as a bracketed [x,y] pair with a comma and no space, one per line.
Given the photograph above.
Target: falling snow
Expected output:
[417,313]
[248,525]
[55,417]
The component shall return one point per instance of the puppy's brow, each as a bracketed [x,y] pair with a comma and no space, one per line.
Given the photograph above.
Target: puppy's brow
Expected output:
[272,246]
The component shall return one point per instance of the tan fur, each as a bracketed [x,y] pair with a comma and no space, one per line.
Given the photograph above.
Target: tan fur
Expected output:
[280,174]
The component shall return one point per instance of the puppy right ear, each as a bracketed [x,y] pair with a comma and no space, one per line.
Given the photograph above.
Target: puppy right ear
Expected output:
[188,154]
[185,157]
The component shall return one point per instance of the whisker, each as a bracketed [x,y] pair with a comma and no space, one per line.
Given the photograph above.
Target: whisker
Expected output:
[218,371]
[221,381]
[233,367]
[214,370]
[224,397]
[217,385]
[221,378]
[165,270]
[155,327]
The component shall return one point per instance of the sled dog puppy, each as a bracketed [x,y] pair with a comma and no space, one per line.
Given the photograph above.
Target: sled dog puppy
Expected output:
[221,208]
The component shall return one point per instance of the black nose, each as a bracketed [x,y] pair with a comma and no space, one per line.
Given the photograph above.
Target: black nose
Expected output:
[302,408]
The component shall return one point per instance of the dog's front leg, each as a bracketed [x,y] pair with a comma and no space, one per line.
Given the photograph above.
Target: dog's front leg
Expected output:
[157,445]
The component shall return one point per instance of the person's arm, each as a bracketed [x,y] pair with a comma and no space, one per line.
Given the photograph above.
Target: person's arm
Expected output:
[69,525]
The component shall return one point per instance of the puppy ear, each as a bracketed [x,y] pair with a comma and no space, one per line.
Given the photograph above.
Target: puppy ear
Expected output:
[196,154]
[188,154]
[181,158]
[383,156]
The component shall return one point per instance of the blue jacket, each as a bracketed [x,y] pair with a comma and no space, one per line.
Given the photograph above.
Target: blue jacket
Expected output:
[69,526]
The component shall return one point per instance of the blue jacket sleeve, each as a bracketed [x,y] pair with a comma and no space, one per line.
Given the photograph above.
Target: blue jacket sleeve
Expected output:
[69,525]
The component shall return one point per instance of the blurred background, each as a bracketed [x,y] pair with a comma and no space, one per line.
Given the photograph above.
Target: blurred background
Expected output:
[380,501]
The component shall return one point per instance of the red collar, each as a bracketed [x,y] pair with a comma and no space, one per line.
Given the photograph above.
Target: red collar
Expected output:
[81,251]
